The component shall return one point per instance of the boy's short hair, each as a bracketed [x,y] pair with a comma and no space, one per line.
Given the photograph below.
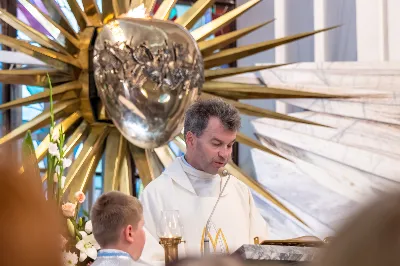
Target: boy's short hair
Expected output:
[112,212]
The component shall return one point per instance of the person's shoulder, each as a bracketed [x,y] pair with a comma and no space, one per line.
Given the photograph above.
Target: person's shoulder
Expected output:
[157,183]
[240,185]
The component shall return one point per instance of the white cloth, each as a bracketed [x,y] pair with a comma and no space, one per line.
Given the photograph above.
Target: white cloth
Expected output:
[115,257]
[204,184]
[235,222]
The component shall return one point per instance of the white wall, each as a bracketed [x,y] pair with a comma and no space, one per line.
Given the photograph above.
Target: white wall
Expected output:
[378,31]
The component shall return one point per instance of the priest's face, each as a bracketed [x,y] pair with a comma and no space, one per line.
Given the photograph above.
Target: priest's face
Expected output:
[213,149]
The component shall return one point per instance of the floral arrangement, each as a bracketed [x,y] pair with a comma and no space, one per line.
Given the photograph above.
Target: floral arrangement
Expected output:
[79,246]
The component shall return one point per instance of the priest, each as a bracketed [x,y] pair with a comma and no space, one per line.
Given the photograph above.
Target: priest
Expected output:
[192,185]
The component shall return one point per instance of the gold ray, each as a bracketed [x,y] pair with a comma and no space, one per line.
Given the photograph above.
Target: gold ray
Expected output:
[78,14]
[52,58]
[207,47]
[149,4]
[256,111]
[243,139]
[58,93]
[165,154]
[84,177]
[155,163]
[165,9]
[206,30]
[123,7]
[225,89]
[135,3]
[74,140]
[110,10]
[30,32]
[66,124]
[257,187]
[72,43]
[190,17]
[58,16]
[126,185]
[180,142]
[226,72]
[34,77]
[90,154]
[85,37]
[51,26]
[147,164]
[230,55]
[92,12]
[114,158]
[39,121]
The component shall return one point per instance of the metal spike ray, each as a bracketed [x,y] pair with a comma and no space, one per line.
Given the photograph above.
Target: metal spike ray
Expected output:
[257,187]
[226,72]
[123,7]
[260,112]
[233,54]
[114,156]
[165,154]
[225,89]
[38,122]
[125,184]
[203,32]
[66,124]
[148,165]
[207,47]
[34,77]
[30,32]
[58,93]
[110,10]
[243,139]
[190,17]
[54,59]
[58,16]
[92,12]
[90,154]
[165,9]
[78,14]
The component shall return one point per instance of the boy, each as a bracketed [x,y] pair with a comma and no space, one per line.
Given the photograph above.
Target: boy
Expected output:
[118,228]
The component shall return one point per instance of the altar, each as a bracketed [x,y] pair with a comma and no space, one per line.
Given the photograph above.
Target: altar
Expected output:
[294,251]
[276,254]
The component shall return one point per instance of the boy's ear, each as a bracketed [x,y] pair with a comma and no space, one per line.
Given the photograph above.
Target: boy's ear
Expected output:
[128,233]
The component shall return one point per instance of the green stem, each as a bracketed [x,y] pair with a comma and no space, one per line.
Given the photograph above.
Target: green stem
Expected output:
[51,101]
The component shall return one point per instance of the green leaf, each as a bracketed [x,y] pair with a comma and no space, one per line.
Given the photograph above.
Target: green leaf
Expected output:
[86,213]
[29,159]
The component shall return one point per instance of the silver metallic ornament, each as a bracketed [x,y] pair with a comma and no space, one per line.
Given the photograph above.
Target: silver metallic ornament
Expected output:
[147,73]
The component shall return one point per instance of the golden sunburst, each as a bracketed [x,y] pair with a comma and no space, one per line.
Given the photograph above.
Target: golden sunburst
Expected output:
[67,57]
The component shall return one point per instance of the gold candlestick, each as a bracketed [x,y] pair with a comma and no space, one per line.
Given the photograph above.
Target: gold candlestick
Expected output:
[170,245]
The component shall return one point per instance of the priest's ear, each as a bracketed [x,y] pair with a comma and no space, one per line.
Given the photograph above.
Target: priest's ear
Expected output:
[190,138]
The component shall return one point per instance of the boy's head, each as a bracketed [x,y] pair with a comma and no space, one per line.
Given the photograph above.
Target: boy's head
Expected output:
[118,223]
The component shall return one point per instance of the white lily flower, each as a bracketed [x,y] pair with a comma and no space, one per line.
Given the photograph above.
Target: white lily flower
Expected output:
[66,163]
[53,149]
[89,227]
[88,246]
[63,178]
[58,169]
[55,135]
[70,259]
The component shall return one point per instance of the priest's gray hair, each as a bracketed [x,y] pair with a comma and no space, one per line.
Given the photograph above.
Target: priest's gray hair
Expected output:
[198,114]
